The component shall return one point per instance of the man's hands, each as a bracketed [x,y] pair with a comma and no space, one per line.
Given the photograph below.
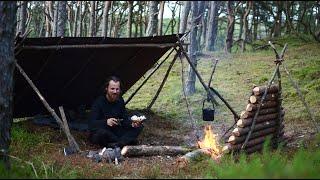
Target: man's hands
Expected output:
[115,122]
[112,122]
[136,123]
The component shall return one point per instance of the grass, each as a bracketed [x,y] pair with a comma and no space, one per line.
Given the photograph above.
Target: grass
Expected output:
[234,78]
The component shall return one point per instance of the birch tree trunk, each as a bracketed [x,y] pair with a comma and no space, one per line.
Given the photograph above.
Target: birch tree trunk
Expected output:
[7,33]
[105,18]
[153,18]
[190,84]
[129,25]
[48,18]
[161,17]
[55,18]
[92,26]
[23,16]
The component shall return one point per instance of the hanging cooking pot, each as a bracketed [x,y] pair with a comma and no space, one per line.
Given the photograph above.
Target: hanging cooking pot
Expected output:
[207,113]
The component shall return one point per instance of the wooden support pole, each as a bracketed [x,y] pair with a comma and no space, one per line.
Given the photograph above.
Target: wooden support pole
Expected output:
[131,96]
[197,73]
[47,106]
[163,81]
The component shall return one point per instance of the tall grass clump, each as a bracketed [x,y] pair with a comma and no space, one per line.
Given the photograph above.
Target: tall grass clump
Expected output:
[303,163]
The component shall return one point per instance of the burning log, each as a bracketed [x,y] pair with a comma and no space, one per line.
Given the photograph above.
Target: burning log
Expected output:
[269,97]
[267,104]
[248,114]
[262,118]
[239,131]
[239,139]
[193,156]
[145,150]
[259,90]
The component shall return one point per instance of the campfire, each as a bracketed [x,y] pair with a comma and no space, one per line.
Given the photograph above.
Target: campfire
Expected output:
[208,147]
[210,143]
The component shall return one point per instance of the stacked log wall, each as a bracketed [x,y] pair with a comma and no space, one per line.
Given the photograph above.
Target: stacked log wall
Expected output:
[267,123]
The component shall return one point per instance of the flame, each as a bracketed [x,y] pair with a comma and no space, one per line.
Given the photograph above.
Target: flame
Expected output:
[210,142]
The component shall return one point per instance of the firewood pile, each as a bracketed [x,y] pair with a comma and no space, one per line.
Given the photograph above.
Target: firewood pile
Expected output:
[268,123]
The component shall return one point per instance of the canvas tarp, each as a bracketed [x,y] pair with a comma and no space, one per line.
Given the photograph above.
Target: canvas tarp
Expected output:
[71,71]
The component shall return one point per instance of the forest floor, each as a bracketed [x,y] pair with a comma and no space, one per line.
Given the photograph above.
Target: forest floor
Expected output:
[158,131]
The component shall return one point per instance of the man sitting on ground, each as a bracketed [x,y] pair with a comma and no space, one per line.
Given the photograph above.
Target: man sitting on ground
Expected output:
[109,124]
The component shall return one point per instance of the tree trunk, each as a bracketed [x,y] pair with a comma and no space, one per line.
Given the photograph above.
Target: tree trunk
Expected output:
[7,33]
[153,18]
[141,19]
[80,20]
[129,25]
[288,12]
[255,21]
[212,26]
[230,27]
[277,23]
[62,18]
[201,27]
[92,26]
[245,25]
[190,84]
[161,17]
[145,150]
[23,16]
[184,16]
[76,19]
[48,18]
[69,19]
[55,18]
[105,18]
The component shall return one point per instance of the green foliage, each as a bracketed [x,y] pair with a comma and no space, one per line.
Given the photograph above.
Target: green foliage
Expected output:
[304,164]
[23,141]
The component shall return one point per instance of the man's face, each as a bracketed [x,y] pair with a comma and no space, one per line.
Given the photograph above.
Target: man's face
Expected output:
[113,91]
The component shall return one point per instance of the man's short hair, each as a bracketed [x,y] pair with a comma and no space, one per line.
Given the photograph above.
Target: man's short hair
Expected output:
[113,78]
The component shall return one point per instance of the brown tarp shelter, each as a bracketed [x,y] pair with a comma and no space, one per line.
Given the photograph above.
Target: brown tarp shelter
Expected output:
[71,71]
